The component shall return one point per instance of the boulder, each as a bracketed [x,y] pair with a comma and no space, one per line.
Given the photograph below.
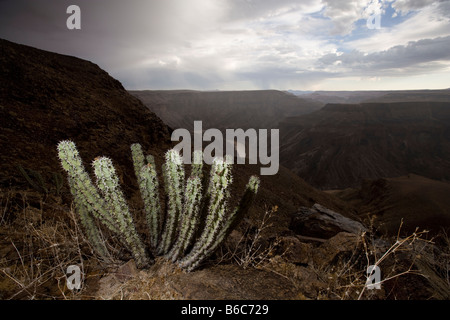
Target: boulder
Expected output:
[324,223]
[295,251]
[127,271]
[341,246]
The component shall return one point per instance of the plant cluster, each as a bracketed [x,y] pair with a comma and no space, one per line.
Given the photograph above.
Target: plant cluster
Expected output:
[196,220]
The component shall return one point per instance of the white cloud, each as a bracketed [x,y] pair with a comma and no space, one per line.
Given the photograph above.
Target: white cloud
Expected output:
[239,44]
[419,57]
[344,13]
[405,6]
[279,46]
[430,22]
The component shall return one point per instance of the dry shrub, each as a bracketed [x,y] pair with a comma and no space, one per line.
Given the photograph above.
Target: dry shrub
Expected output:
[40,239]
[251,248]
[412,267]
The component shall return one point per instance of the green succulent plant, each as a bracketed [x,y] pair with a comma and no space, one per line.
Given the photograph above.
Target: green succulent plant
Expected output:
[174,233]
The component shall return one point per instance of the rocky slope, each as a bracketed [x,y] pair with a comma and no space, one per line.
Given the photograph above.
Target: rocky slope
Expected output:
[405,203]
[342,144]
[47,97]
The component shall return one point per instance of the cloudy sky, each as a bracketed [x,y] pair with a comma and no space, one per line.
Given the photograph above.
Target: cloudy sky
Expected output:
[247,44]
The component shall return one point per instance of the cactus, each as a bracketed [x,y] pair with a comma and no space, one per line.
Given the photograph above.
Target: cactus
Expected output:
[108,183]
[174,182]
[174,233]
[190,218]
[110,209]
[82,186]
[219,222]
[88,224]
[197,165]
[149,188]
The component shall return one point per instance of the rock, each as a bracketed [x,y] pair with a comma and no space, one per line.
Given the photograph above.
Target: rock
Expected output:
[230,282]
[343,244]
[127,271]
[110,284]
[321,222]
[295,251]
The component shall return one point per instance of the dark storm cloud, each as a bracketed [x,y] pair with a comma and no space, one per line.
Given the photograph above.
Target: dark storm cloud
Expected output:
[111,30]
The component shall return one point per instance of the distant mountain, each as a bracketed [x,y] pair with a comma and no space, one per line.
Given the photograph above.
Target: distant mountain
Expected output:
[413,96]
[299,92]
[353,97]
[225,109]
[342,144]
[342,96]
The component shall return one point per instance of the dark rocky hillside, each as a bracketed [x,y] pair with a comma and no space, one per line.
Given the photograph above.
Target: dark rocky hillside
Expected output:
[342,144]
[408,202]
[47,97]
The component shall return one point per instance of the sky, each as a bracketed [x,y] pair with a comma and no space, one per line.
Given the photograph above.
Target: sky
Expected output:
[246,44]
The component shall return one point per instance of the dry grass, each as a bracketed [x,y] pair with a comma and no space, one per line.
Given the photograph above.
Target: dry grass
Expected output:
[406,263]
[151,284]
[347,279]
[40,239]
[249,250]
